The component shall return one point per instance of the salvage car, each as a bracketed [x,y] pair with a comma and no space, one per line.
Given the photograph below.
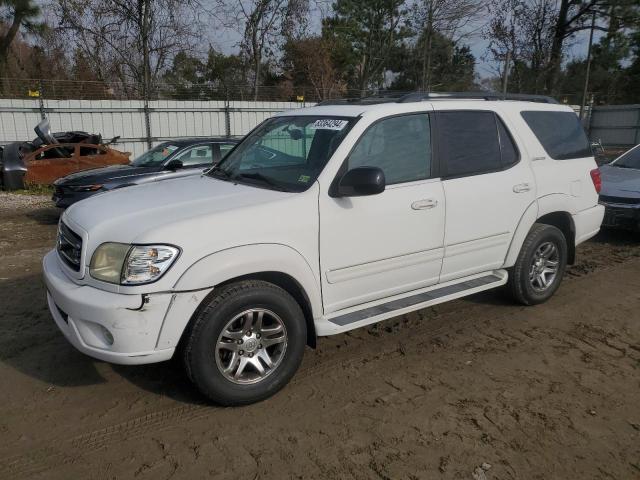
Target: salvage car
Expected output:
[51,156]
[320,221]
[621,191]
[177,158]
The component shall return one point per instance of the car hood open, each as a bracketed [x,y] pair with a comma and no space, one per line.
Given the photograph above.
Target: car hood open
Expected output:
[620,182]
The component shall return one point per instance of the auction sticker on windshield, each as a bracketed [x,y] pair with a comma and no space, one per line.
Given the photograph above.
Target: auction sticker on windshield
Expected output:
[329,124]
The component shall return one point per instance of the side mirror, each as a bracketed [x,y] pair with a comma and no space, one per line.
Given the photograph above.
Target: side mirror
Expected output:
[361,181]
[173,165]
[596,146]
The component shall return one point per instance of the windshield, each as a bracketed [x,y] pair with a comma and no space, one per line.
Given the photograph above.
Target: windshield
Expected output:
[156,156]
[631,159]
[285,153]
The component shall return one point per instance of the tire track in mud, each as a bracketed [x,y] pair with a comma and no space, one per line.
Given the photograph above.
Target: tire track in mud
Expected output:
[353,353]
[50,456]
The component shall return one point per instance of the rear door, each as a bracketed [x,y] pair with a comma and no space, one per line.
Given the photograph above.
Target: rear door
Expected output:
[487,189]
[376,246]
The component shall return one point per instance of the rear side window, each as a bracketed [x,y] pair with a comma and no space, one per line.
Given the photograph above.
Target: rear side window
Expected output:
[560,133]
[468,143]
[400,146]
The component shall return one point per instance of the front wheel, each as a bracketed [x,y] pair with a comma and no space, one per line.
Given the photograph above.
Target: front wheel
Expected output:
[540,265]
[246,343]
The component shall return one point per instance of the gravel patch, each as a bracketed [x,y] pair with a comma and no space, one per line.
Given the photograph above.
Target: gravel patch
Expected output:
[13,201]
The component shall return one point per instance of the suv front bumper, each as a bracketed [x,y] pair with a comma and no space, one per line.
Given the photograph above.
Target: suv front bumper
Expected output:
[113,327]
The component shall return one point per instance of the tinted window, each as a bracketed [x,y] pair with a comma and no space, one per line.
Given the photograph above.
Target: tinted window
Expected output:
[560,133]
[400,146]
[510,155]
[631,159]
[469,143]
[199,155]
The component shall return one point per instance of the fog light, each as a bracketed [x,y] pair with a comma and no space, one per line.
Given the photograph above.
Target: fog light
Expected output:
[108,337]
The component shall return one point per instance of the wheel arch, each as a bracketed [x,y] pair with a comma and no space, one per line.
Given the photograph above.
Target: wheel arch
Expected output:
[563,221]
[551,210]
[274,263]
[292,287]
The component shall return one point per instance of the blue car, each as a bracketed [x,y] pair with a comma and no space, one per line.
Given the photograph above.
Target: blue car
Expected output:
[177,158]
[620,192]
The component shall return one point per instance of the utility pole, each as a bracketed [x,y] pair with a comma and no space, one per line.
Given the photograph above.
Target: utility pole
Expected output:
[588,72]
[505,76]
[146,13]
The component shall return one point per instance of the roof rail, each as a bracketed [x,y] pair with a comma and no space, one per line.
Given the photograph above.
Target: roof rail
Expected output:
[524,97]
[393,97]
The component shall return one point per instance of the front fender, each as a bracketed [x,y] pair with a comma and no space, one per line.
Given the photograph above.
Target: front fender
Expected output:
[202,277]
[245,260]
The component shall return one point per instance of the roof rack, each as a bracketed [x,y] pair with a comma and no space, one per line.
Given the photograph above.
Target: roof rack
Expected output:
[393,97]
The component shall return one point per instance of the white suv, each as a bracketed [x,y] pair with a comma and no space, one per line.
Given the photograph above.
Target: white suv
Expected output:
[320,221]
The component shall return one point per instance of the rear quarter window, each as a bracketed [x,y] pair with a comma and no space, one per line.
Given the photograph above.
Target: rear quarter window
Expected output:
[560,133]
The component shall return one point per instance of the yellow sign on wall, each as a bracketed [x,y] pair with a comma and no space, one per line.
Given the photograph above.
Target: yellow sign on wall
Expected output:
[34,93]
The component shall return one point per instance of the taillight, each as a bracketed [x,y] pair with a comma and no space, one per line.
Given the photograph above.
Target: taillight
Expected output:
[596,178]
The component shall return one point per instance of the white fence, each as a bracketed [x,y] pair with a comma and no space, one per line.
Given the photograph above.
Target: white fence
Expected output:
[168,119]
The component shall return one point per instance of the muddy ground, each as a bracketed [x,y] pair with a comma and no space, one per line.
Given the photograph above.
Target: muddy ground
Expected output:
[473,389]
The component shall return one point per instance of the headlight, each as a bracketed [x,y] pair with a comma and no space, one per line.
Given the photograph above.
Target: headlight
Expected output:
[131,264]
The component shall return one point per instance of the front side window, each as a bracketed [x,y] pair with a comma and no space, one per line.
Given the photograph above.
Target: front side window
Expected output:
[469,143]
[399,146]
[631,159]
[285,153]
[198,155]
[156,156]
[560,134]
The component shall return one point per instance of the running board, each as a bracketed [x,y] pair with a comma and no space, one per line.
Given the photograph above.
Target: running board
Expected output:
[416,301]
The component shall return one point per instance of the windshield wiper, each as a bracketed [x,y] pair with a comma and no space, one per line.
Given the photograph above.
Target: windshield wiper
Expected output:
[217,171]
[260,177]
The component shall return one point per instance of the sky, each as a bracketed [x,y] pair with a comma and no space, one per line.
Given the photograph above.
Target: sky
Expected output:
[227,40]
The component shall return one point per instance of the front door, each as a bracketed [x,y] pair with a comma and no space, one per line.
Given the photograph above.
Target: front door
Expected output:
[376,246]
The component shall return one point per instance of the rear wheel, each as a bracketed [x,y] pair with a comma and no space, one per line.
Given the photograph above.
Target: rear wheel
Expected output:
[540,265]
[246,343]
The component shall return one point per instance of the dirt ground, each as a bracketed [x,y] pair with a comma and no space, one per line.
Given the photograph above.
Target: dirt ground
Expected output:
[474,389]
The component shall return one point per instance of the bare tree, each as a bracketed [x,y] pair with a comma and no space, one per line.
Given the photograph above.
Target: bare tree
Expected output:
[128,40]
[267,24]
[17,14]
[450,18]
[523,32]
[311,61]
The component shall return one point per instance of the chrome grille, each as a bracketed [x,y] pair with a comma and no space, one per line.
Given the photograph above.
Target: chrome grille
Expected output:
[69,246]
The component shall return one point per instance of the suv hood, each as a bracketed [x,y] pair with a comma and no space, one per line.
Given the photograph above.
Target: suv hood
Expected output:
[163,211]
[103,175]
[620,182]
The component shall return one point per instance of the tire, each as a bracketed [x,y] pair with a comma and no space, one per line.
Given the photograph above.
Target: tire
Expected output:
[536,256]
[217,344]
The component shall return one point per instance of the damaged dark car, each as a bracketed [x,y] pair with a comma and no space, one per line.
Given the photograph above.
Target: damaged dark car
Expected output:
[50,156]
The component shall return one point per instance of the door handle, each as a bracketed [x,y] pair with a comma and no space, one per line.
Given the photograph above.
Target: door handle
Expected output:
[426,204]
[522,188]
